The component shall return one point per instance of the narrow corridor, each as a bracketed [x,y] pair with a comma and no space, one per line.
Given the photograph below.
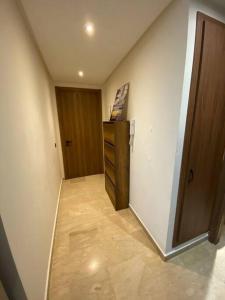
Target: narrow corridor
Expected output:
[103,254]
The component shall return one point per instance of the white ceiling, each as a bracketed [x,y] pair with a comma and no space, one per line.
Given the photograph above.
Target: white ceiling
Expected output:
[58,26]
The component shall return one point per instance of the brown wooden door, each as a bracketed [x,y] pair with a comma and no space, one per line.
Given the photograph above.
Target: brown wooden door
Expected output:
[80,120]
[205,133]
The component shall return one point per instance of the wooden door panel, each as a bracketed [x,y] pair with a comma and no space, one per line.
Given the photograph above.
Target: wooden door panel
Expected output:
[81,126]
[207,142]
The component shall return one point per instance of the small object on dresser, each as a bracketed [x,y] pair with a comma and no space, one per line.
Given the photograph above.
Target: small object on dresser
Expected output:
[119,110]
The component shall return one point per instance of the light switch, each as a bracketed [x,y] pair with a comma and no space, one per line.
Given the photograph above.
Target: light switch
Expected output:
[132,127]
[132,132]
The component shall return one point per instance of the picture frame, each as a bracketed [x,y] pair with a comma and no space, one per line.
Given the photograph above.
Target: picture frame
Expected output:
[119,110]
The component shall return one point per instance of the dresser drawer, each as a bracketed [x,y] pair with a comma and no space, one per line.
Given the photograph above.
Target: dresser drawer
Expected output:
[110,189]
[110,171]
[109,133]
[109,152]
[117,160]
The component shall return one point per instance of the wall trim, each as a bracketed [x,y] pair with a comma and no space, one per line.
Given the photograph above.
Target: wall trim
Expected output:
[78,85]
[174,252]
[52,243]
[157,247]
[190,244]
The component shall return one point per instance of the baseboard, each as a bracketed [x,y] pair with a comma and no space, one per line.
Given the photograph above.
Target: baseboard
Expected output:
[174,252]
[156,245]
[52,244]
[184,247]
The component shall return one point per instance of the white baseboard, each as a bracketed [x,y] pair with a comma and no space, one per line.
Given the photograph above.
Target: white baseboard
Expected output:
[52,243]
[147,230]
[175,251]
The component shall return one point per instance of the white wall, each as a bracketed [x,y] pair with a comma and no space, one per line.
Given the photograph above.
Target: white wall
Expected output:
[217,12]
[155,70]
[29,166]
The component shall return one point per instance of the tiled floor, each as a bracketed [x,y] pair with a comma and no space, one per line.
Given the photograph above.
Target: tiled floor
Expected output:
[103,254]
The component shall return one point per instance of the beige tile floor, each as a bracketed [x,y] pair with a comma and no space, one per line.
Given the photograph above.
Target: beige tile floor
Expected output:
[103,254]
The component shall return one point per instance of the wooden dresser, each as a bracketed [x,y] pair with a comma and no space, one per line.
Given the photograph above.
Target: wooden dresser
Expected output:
[117,162]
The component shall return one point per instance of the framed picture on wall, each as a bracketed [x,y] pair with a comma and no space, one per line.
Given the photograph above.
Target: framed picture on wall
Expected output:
[119,110]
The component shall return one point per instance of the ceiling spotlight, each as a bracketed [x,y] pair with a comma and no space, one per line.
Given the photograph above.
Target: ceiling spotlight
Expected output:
[89,28]
[81,73]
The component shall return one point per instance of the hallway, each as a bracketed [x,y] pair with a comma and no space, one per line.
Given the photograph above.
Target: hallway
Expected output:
[103,254]
[131,89]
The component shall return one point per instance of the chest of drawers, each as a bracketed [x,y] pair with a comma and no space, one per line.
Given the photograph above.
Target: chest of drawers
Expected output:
[117,162]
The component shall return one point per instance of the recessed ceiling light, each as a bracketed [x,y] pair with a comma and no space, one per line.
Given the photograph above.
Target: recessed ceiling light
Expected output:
[89,28]
[81,73]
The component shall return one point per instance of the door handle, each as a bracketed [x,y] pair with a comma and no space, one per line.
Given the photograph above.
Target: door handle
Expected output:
[190,176]
[68,143]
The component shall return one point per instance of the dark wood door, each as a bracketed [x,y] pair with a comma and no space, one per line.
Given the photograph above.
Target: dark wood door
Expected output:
[80,120]
[205,133]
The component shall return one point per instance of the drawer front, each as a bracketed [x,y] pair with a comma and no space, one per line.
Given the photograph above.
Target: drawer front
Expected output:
[110,190]
[109,152]
[109,133]
[110,171]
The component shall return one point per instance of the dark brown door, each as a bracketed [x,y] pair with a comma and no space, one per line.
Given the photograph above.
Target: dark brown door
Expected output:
[80,120]
[205,133]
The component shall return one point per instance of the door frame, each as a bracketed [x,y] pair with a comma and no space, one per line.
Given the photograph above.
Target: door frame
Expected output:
[219,205]
[217,220]
[77,89]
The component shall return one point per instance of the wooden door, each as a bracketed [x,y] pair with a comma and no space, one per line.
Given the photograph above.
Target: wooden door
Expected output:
[205,133]
[80,120]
